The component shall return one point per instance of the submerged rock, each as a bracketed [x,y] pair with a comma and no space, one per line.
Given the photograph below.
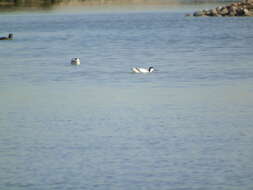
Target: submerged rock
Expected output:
[243,8]
[199,13]
[188,14]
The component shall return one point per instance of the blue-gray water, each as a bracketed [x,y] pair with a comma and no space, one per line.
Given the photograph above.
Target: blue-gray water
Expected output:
[97,126]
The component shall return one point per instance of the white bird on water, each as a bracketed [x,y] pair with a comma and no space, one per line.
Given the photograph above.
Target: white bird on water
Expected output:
[75,61]
[143,70]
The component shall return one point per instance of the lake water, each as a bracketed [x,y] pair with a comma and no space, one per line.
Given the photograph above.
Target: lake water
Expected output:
[97,126]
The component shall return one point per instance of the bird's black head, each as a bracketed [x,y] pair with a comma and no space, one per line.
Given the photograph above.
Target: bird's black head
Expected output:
[10,36]
[151,69]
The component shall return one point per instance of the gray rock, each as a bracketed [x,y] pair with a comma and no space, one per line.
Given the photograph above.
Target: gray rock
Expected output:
[213,12]
[224,11]
[249,7]
[247,12]
[206,12]
[248,1]
[219,8]
[232,11]
[240,12]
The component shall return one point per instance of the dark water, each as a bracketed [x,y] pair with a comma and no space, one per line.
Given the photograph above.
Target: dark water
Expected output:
[187,126]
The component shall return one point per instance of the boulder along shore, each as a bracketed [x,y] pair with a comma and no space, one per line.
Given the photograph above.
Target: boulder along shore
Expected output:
[242,8]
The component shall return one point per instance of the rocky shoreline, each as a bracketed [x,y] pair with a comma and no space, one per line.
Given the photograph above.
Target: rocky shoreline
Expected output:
[242,8]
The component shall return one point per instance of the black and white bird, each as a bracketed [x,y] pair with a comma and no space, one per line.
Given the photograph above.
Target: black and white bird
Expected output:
[75,61]
[143,70]
[10,37]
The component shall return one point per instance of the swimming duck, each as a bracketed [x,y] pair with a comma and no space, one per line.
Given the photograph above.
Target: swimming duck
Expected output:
[143,70]
[10,36]
[75,61]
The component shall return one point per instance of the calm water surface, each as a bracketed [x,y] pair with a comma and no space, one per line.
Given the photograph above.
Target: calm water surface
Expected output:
[187,126]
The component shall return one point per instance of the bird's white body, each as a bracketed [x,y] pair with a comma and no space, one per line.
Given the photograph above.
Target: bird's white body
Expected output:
[75,61]
[142,70]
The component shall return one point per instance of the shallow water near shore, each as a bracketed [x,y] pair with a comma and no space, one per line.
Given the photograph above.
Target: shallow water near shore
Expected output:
[188,125]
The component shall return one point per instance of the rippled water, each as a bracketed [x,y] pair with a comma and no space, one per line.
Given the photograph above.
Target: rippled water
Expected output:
[186,126]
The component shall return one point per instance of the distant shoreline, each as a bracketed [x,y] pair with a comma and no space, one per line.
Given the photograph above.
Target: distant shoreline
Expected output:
[49,3]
